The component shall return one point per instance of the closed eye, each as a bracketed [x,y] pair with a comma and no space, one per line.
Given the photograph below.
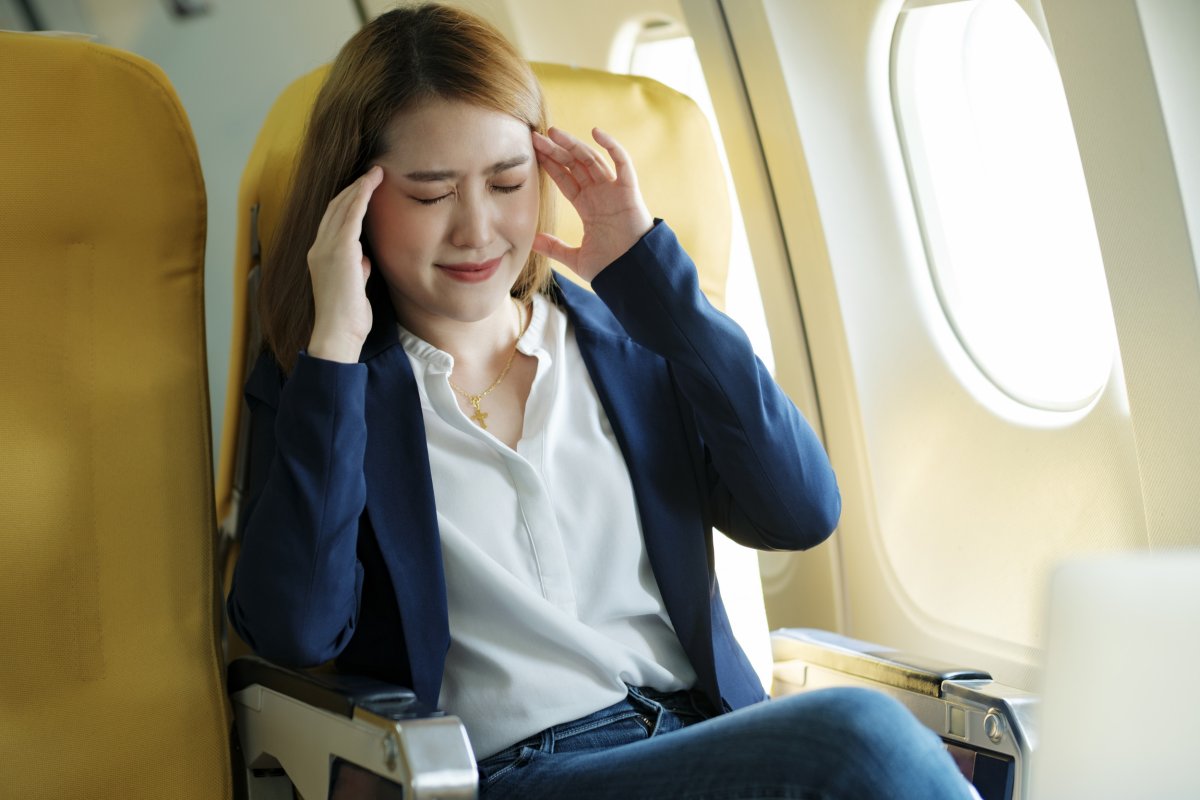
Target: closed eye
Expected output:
[500,188]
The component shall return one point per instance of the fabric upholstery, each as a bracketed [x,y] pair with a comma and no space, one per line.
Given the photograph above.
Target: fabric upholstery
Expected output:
[110,683]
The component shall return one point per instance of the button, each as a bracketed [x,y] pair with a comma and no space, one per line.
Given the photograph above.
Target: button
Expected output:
[993,725]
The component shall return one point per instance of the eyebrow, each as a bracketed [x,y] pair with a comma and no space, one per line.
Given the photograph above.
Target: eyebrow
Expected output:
[429,176]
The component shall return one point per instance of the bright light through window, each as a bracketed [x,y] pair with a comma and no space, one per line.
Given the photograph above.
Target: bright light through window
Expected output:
[674,61]
[1002,200]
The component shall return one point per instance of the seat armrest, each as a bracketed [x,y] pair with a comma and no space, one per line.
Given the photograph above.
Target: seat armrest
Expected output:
[334,692]
[874,662]
[989,728]
[293,725]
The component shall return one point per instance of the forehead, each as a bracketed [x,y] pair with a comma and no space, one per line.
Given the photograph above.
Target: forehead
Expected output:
[453,134]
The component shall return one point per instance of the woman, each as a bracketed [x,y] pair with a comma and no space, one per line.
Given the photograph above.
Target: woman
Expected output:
[485,483]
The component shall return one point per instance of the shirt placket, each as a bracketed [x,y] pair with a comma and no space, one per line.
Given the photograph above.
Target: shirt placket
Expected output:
[547,551]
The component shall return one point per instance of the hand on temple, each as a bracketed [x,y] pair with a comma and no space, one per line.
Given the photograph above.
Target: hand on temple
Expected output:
[339,270]
[609,203]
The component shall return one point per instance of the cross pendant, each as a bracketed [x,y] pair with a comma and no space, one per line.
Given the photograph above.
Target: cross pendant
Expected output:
[480,415]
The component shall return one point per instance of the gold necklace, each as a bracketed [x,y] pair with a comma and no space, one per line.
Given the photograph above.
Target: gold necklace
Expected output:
[475,399]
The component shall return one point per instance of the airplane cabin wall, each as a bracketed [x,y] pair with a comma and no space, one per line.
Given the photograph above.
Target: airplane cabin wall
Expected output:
[9,18]
[958,498]
[1172,32]
[1133,114]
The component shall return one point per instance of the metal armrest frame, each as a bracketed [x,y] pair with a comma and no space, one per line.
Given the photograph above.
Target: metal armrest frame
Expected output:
[964,706]
[295,724]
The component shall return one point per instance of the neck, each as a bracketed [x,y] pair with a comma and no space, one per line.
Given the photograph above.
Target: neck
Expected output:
[477,342]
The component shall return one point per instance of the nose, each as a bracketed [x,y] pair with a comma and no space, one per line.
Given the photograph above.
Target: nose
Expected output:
[473,223]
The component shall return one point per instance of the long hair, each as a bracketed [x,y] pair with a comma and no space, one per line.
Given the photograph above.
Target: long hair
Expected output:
[394,63]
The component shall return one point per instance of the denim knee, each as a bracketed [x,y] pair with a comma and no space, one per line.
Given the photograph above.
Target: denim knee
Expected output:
[871,740]
[866,716]
[865,720]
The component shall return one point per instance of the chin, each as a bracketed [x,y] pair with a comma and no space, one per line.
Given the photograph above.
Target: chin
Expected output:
[475,305]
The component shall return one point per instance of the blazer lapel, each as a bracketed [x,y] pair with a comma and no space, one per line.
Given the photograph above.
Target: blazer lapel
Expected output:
[400,505]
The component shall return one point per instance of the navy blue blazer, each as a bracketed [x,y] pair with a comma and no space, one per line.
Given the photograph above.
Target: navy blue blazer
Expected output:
[341,555]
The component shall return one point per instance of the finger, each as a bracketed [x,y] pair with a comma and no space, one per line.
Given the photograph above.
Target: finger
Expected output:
[344,201]
[555,248]
[587,156]
[618,154]
[563,179]
[360,199]
[584,155]
[558,154]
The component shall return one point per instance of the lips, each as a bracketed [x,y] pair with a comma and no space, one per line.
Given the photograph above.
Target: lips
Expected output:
[471,272]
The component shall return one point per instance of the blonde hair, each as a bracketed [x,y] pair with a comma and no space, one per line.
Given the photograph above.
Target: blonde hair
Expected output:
[397,61]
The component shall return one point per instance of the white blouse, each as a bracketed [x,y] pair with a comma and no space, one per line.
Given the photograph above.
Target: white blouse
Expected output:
[553,607]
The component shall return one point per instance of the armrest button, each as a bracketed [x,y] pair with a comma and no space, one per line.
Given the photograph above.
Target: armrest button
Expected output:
[993,725]
[391,751]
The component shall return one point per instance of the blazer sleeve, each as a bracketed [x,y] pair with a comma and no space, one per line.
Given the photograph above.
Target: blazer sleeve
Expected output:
[769,481]
[298,582]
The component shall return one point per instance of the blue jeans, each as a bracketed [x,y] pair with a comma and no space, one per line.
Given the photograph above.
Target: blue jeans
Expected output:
[833,744]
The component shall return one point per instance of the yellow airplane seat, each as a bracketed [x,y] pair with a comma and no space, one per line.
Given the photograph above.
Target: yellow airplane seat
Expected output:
[111,682]
[667,136]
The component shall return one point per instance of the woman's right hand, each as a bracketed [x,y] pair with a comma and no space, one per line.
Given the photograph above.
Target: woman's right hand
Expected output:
[339,270]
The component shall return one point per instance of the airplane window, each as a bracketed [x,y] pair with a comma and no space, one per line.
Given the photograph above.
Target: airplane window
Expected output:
[664,52]
[1001,197]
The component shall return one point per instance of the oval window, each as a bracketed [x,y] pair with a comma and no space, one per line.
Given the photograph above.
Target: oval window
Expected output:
[1001,199]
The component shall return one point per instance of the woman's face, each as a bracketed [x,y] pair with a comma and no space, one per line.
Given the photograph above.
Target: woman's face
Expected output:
[453,221]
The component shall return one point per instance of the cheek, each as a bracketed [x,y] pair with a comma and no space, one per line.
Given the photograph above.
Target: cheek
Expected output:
[524,216]
[374,225]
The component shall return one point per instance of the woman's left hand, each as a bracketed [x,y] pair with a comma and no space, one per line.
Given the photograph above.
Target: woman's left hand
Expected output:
[610,204]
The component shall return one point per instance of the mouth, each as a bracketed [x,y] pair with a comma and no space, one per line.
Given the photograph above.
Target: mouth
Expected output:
[471,272]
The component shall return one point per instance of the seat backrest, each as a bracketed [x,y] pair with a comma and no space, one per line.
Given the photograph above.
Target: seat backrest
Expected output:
[665,132]
[110,682]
